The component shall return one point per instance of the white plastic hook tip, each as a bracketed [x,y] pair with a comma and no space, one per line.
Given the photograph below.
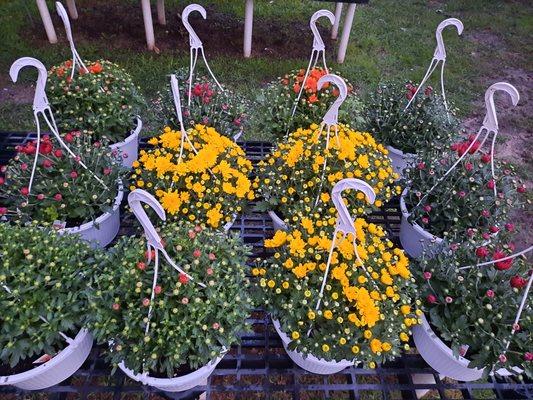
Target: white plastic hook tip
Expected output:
[491,120]
[318,43]
[194,40]
[332,115]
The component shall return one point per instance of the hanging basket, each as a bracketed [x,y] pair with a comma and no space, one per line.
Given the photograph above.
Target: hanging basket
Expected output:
[178,384]
[414,239]
[309,362]
[400,160]
[59,368]
[440,357]
[129,147]
[103,229]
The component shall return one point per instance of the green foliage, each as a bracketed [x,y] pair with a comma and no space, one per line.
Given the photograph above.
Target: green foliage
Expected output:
[423,125]
[223,110]
[42,274]
[62,189]
[102,102]
[465,199]
[477,307]
[190,325]
[274,104]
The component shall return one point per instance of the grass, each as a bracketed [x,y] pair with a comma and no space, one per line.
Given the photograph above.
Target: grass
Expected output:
[390,40]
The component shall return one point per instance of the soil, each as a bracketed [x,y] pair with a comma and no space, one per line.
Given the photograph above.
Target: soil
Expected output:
[515,142]
[222,34]
[183,370]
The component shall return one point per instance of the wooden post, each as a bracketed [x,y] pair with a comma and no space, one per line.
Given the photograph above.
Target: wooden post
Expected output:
[47,21]
[148,24]
[348,21]
[161,18]
[71,5]
[338,14]
[248,25]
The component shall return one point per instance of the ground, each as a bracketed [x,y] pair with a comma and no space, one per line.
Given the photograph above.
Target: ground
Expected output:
[390,39]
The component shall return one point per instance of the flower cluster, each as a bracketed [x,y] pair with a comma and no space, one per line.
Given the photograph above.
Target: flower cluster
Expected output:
[274,104]
[42,290]
[425,124]
[62,189]
[189,325]
[298,176]
[208,184]
[223,110]
[465,199]
[368,305]
[474,309]
[102,102]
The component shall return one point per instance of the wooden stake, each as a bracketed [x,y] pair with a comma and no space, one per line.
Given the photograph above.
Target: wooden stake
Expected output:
[348,21]
[338,14]
[248,25]
[148,24]
[47,21]
[161,18]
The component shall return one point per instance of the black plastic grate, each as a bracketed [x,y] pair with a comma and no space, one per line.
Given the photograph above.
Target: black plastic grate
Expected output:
[259,368]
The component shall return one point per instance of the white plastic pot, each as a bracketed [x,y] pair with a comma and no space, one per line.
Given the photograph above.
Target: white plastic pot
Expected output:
[103,229]
[129,147]
[59,368]
[279,224]
[227,226]
[399,159]
[309,362]
[178,384]
[440,357]
[413,237]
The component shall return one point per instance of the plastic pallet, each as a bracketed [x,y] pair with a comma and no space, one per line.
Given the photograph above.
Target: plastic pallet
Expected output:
[259,368]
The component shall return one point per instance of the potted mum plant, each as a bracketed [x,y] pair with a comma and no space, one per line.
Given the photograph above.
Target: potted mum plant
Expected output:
[436,209]
[299,174]
[202,177]
[42,295]
[274,105]
[367,306]
[223,110]
[101,101]
[166,328]
[469,327]
[426,124]
[63,193]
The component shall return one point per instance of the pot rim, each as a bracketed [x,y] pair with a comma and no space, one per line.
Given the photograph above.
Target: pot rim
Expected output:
[43,368]
[162,382]
[133,135]
[286,340]
[102,218]
[399,152]
[406,214]
[275,217]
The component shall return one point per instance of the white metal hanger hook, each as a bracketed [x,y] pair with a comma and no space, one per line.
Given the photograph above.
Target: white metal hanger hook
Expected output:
[439,56]
[135,201]
[42,107]
[332,115]
[318,43]
[40,101]
[76,59]
[491,121]
[345,223]
[440,51]
[344,220]
[194,40]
